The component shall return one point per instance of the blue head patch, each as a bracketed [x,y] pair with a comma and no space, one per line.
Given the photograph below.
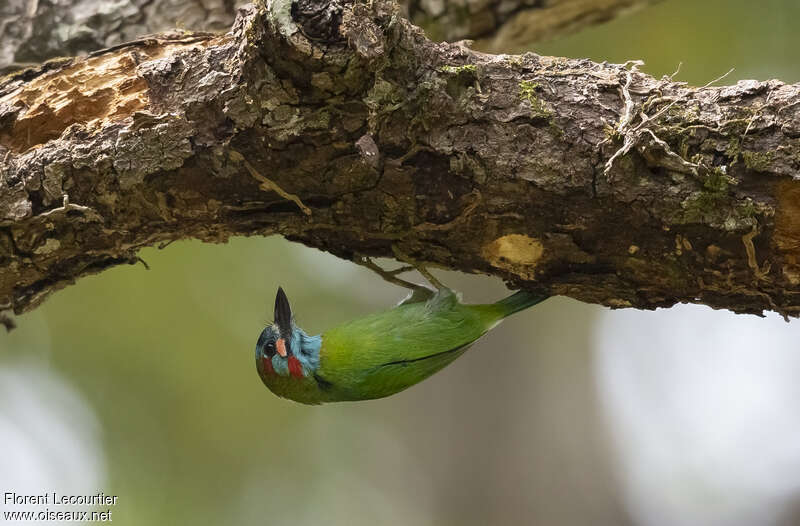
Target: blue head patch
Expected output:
[284,348]
[302,351]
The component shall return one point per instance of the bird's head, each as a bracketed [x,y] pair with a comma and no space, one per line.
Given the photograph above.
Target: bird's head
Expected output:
[283,349]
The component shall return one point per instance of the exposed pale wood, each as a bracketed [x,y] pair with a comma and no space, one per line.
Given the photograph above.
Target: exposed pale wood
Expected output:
[395,144]
[32,31]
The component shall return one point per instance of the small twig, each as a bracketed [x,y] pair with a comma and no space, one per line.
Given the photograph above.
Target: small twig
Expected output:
[66,206]
[430,277]
[753,119]
[267,185]
[625,119]
[418,267]
[677,70]
[388,275]
[787,106]
[683,162]
[633,136]
[671,104]
[718,78]
[627,114]
[626,147]
[401,270]
[757,116]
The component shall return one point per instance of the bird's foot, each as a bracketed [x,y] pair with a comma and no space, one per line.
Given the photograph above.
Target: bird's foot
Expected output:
[419,267]
[418,292]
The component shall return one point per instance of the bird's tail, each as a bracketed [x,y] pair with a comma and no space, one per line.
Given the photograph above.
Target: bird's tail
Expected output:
[520,300]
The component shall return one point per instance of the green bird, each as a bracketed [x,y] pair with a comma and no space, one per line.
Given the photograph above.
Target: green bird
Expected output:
[377,355]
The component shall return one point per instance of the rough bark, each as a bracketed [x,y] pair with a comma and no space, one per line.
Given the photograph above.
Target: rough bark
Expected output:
[32,31]
[342,127]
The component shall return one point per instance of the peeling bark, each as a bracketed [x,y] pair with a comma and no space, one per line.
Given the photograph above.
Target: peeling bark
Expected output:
[342,127]
[32,31]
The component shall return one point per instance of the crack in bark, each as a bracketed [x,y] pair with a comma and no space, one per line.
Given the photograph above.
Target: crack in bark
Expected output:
[97,24]
[460,159]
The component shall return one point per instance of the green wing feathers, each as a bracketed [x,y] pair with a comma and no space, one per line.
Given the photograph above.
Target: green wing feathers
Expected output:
[407,332]
[386,352]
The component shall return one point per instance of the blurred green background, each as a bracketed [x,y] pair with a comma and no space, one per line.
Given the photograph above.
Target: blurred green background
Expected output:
[147,378]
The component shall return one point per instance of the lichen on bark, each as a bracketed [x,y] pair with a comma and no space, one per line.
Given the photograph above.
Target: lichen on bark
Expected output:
[341,126]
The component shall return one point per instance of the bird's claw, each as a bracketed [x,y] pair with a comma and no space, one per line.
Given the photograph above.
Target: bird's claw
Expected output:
[391,276]
[419,267]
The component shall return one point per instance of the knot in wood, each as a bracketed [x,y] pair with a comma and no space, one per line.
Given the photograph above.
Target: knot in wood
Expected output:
[318,20]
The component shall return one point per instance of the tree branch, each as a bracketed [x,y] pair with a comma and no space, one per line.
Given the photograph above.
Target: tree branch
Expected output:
[514,24]
[490,164]
[32,31]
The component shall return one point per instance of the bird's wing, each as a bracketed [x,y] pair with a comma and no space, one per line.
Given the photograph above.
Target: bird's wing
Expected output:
[407,333]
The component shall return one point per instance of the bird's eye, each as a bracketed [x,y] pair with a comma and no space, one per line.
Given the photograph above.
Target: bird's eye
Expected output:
[270,345]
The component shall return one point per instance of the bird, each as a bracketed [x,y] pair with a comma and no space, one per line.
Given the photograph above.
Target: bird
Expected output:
[377,355]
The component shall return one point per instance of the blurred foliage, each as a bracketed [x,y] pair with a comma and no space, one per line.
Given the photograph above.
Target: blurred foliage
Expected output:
[165,359]
[759,39]
[510,433]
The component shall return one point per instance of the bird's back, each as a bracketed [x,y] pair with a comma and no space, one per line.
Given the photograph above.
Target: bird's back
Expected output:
[383,353]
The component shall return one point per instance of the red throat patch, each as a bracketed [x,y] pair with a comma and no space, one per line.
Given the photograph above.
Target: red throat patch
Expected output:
[295,369]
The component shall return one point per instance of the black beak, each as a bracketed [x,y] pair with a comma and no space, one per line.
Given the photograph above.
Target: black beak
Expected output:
[283,314]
